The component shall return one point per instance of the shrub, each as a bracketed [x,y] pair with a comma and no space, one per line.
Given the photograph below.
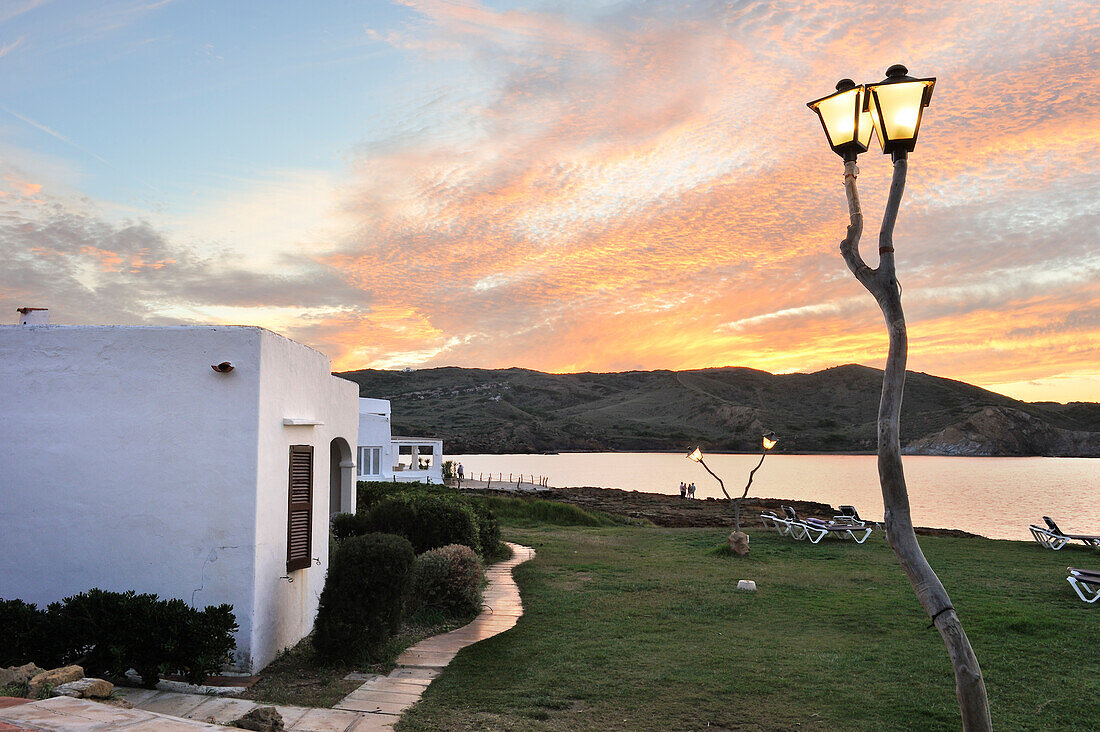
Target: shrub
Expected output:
[447,579]
[488,528]
[450,474]
[111,632]
[26,635]
[152,636]
[370,493]
[347,525]
[427,520]
[361,602]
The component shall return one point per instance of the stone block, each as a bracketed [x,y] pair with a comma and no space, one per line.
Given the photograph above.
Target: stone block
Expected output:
[85,688]
[53,677]
[19,674]
[746,585]
[263,719]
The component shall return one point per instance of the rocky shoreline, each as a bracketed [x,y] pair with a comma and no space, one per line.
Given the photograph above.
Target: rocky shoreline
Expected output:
[676,512]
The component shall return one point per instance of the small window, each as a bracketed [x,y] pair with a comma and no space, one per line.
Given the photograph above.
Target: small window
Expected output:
[370,461]
[425,457]
[299,531]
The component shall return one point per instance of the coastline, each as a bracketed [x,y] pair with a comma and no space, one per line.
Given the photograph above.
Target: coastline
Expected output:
[674,512]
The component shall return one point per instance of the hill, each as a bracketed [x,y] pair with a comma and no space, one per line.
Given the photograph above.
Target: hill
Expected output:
[721,409]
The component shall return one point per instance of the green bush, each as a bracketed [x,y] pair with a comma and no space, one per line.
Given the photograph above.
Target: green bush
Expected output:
[361,603]
[447,579]
[370,493]
[427,520]
[111,632]
[427,515]
[488,528]
[26,634]
[393,516]
[347,525]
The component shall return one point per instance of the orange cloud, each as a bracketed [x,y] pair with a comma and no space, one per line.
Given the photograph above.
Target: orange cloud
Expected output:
[652,193]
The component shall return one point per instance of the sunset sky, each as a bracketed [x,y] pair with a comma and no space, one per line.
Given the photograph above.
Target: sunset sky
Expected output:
[564,186]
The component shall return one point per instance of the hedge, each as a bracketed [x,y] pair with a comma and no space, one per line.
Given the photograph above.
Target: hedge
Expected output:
[361,603]
[112,632]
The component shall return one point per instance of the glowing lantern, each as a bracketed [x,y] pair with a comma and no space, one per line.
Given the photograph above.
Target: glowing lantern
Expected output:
[896,105]
[696,455]
[845,119]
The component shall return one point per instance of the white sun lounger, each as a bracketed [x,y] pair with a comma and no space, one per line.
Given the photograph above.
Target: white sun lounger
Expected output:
[1086,583]
[857,533]
[1054,538]
[781,525]
[816,529]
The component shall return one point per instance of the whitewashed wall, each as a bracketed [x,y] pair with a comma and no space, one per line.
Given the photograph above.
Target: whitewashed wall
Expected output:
[126,462]
[296,384]
[374,431]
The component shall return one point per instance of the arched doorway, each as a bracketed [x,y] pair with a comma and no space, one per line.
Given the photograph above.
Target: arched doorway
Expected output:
[341,481]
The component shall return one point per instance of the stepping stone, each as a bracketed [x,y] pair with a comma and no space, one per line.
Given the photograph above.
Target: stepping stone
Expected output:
[324,720]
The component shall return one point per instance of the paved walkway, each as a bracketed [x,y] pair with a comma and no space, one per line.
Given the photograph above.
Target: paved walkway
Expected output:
[376,705]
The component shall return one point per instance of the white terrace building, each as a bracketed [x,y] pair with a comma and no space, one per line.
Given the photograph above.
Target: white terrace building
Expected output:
[195,462]
[383,456]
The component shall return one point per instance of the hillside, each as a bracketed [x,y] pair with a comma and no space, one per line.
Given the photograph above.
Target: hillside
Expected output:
[723,409]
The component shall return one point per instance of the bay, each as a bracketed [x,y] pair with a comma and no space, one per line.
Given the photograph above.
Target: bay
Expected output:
[993,497]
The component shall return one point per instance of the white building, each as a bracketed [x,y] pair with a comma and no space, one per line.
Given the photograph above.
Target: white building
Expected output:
[385,457]
[128,463]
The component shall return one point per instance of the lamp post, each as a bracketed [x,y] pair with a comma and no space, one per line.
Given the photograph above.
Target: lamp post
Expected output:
[894,108]
[739,540]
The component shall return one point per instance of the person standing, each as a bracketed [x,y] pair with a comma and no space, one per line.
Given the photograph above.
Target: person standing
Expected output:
[683,489]
[691,490]
[460,475]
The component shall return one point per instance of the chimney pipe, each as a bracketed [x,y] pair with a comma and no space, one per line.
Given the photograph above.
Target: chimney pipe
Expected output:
[34,316]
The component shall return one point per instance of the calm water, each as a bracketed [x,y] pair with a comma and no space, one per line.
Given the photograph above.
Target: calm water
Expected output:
[994,497]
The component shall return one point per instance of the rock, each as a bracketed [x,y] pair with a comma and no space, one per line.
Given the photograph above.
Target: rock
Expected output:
[116,701]
[1006,431]
[739,542]
[746,585]
[85,689]
[265,719]
[19,674]
[53,677]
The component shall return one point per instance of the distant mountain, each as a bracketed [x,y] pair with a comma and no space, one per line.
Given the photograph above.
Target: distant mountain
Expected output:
[721,409]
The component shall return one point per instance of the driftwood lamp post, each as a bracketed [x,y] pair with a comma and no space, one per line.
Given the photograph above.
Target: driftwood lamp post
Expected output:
[893,108]
[739,540]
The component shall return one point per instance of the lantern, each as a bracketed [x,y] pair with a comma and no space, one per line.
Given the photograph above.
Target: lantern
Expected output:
[895,106]
[844,117]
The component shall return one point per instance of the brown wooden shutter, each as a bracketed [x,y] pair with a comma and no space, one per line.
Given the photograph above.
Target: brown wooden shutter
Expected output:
[299,531]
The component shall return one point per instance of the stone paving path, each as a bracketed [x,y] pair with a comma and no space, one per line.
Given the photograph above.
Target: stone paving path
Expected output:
[388,696]
[376,705]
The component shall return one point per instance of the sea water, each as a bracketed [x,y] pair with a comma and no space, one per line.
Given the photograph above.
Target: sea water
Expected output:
[993,497]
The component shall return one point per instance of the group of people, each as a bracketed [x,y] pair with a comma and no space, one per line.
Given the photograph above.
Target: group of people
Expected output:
[687,490]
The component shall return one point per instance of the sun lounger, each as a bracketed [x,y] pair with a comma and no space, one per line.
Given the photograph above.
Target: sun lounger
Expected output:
[815,529]
[797,528]
[849,515]
[1054,538]
[856,532]
[771,521]
[1086,583]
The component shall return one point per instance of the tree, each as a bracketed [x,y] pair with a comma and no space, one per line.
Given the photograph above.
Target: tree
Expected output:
[883,285]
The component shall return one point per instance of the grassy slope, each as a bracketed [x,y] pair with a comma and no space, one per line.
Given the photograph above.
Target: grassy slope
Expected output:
[638,628]
[517,410]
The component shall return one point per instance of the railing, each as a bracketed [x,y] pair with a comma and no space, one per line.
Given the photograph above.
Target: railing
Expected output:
[514,480]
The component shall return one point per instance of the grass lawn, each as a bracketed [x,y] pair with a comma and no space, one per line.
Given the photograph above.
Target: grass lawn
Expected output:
[638,628]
